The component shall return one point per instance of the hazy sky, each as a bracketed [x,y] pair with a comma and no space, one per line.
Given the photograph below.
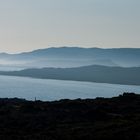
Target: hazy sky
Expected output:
[31,24]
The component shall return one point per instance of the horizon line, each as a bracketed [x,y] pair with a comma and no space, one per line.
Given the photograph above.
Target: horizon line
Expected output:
[32,50]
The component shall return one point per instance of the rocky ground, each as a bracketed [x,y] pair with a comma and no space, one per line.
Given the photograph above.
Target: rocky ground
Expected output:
[90,119]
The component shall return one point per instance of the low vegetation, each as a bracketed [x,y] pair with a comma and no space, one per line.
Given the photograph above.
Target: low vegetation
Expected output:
[92,119]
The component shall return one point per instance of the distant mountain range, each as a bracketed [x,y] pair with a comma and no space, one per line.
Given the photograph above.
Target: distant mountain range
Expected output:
[92,73]
[65,57]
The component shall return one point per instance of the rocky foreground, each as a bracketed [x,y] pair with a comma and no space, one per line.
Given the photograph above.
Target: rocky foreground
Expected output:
[91,119]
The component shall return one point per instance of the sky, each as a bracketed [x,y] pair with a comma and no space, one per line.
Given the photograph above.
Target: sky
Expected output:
[26,25]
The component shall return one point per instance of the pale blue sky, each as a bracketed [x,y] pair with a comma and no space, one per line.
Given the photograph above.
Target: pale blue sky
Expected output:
[31,24]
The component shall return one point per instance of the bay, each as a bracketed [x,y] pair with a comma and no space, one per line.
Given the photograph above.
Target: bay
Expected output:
[50,90]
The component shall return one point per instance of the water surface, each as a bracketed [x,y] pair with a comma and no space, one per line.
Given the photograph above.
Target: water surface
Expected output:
[44,89]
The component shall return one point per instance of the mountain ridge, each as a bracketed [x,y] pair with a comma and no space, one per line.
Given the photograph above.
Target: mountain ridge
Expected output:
[91,73]
[74,56]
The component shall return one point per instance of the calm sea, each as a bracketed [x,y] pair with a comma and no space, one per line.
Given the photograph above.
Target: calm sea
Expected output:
[43,89]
